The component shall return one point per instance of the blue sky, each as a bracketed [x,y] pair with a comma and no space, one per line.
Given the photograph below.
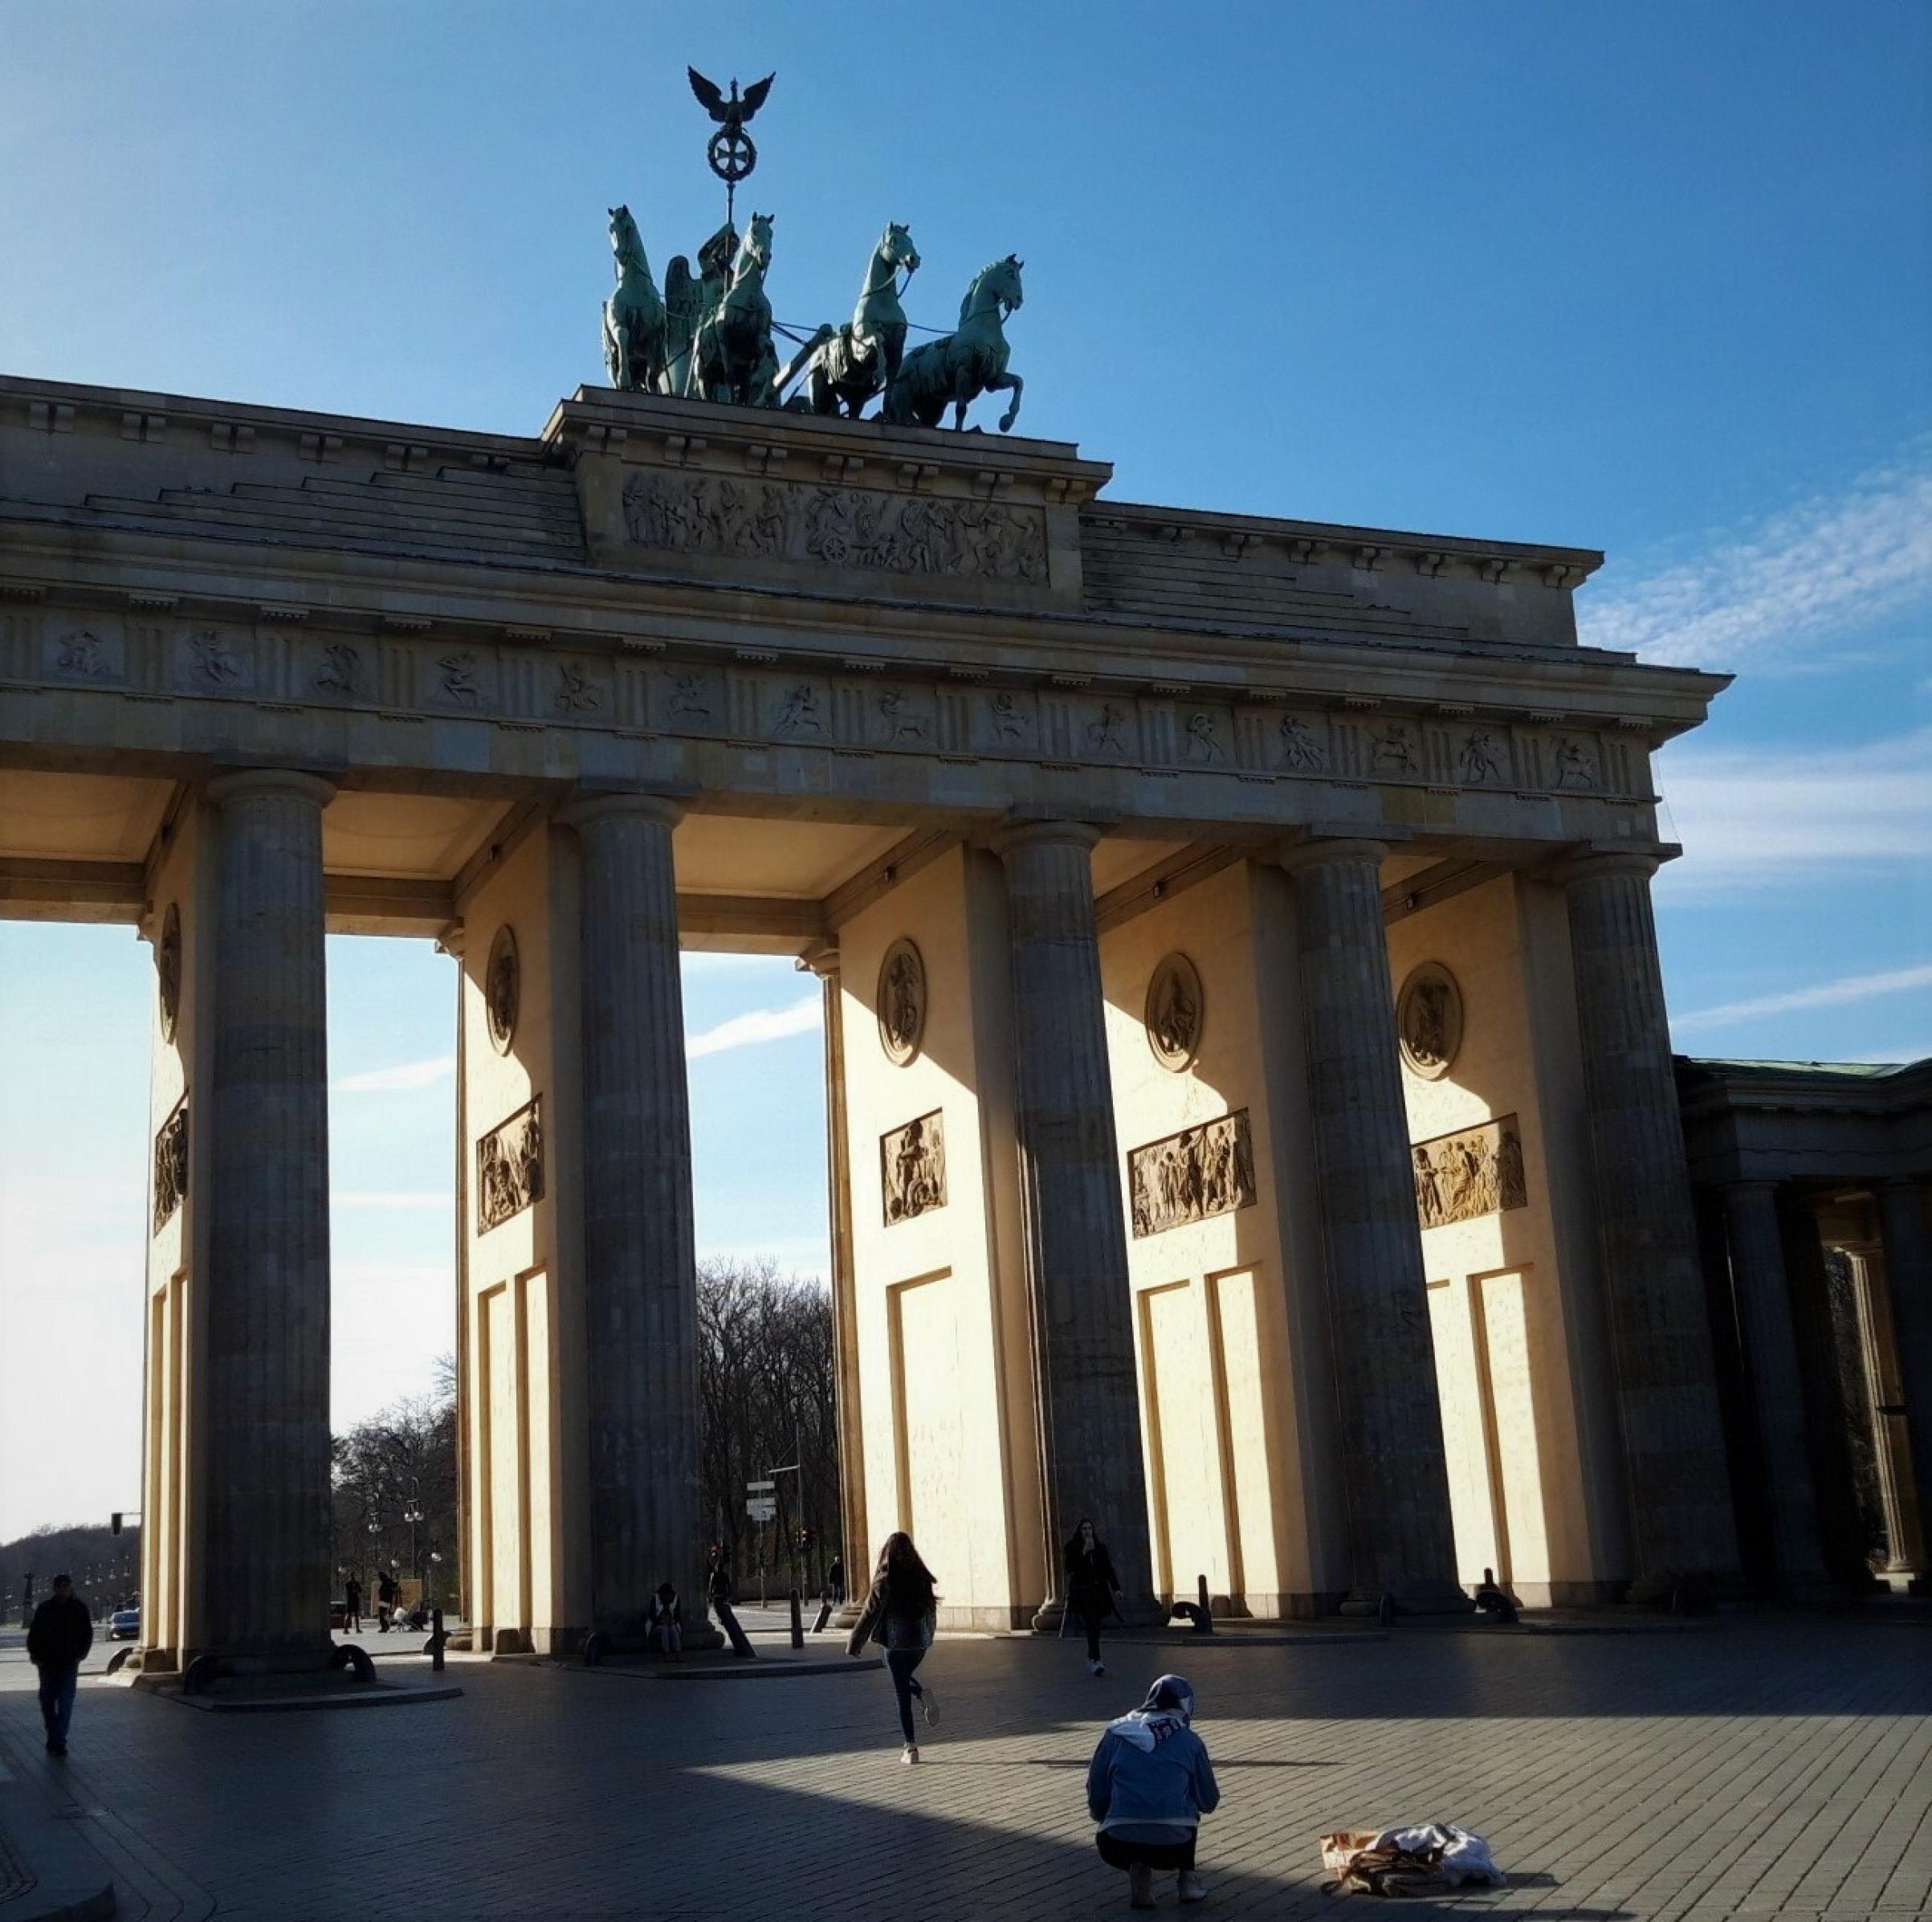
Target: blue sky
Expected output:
[1646,278]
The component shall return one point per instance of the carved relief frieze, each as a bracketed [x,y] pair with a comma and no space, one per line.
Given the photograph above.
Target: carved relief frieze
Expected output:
[1175,1009]
[1189,1176]
[1008,722]
[693,700]
[87,652]
[898,716]
[1429,1020]
[1395,751]
[1303,744]
[577,689]
[1476,1171]
[171,1164]
[1481,757]
[912,1169]
[836,526]
[168,972]
[211,661]
[502,989]
[510,1167]
[902,1002]
[461,677]
[340,670]
[1206,736]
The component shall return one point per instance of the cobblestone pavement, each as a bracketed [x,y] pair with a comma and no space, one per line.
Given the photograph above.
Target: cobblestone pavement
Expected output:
[1758,1768]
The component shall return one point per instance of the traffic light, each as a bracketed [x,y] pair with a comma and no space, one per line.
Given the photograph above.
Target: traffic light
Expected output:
[114,1520]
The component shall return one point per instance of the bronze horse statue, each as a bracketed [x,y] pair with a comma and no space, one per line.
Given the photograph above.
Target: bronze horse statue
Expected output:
[957,368]
[634,316]
[849,365]
[731,356]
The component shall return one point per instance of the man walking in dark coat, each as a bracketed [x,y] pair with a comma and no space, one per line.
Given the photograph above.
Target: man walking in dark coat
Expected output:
[60,1636]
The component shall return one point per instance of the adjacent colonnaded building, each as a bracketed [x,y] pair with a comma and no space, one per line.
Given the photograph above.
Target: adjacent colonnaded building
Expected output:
[1252,1120]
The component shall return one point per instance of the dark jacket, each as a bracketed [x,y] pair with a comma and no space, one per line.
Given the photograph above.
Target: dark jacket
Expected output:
[890,1626]
[62,1634]
[1090,1581]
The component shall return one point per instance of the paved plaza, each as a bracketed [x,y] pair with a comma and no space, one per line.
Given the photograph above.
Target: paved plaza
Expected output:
[1760,1767]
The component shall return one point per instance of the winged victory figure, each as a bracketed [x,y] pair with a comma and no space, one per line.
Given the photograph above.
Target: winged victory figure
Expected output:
[733,113]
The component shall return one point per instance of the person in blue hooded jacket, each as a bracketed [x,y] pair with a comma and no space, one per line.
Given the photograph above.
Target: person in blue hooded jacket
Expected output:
[1149,1785]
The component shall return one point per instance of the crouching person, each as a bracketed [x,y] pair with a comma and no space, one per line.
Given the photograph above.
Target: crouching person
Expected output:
[667,1621]
[1149,1785]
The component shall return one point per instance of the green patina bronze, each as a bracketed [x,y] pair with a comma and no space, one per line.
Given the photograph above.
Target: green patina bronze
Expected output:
[847,365]
[634,316]
[731,355]
[957,368]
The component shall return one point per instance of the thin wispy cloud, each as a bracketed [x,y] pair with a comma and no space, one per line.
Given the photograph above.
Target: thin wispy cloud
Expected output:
[1843,992]
[1767,816]
[802,1017]
[1775,593]
[404,1078]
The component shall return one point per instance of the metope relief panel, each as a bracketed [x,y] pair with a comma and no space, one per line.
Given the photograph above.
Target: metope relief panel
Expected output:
[1462,1176]
[170,1165]
[912,1169]
[1301,743]
[90,653]
[836,526]
[510,1167]
[1189,1176]
[214,660]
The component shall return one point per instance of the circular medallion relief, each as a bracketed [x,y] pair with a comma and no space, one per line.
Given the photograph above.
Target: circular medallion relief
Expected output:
[1428,1020]
[1174,1011]
[168,971]
[902,1002]
[502,988]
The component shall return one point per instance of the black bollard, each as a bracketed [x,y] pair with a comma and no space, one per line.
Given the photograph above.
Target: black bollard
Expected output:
[1204,1621]
[437,1638]
[798,1622]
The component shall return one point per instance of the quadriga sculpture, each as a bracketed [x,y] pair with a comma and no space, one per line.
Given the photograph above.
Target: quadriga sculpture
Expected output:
[731,357]
[634,316]
[957,368]
[847,365]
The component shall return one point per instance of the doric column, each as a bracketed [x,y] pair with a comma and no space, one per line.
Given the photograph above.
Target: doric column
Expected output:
[640,1263]
[1908,1257]
[266,1491]
[1396,1477]
[1681,1514]
[1075,1224]
[1885,1408]
[1761,1289]
[855,1539]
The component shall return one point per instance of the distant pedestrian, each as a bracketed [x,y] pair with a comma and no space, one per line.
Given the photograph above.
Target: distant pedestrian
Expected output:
[1149,1785]
[900,1614]
[61,1633]
[667,1621]
[389,1592]
[352,1606]
[1093,1590]
[835,1582]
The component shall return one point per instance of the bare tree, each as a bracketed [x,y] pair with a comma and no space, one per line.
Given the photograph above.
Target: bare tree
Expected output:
[400,1462]
[766,1386]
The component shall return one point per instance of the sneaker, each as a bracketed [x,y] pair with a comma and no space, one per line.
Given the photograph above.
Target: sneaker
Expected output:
[1094,1667]
[56,1748]
[911,1754]
[1192,1888]
[929,1707]
[1140,1887]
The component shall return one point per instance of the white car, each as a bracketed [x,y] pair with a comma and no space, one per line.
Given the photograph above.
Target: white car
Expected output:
[123,1625]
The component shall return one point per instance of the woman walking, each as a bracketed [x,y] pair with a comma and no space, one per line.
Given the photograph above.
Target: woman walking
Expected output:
[1149,1785]
[899,1615]
[1093,1590]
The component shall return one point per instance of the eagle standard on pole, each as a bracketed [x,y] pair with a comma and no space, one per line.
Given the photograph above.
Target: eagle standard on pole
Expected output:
[731,153]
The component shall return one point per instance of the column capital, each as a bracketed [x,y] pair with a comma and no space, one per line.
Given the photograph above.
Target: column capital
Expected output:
[822,959]
[247,784]
[583,808]
[453,940]
[1606,864]
[1317,851]
[1014,835]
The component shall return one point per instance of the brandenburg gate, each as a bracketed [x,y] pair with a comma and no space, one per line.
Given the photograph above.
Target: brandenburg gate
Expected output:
[1252,1121]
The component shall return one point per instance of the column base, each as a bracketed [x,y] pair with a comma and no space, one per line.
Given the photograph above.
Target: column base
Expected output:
[1685,1592]
[1150,1611]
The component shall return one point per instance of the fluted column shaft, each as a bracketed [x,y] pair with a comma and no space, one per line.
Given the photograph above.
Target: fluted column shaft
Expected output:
[1075,1223]
[266,1576]
[1401,1541]
[640,1263]
[1761,1289]
[1908,1257]
[1681,1516]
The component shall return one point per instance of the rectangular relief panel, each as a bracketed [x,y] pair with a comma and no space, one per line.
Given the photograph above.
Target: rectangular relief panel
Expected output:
[912,1169]
[1187,1176]
[510,1167]
[1475,1172]
[170,1165]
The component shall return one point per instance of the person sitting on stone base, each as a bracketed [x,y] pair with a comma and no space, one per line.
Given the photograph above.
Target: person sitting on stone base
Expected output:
[1492,1600]
[667,1621]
